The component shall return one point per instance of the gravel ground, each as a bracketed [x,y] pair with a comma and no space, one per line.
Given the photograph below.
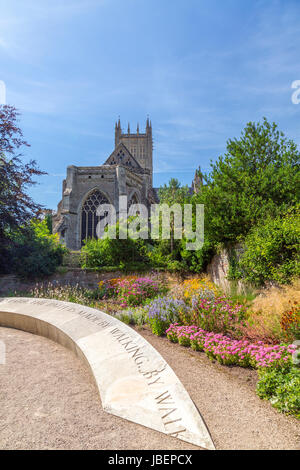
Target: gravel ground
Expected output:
[48,400]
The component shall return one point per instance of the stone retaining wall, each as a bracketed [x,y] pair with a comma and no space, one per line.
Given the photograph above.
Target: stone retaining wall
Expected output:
[87,279]
[10,284]
[218,270]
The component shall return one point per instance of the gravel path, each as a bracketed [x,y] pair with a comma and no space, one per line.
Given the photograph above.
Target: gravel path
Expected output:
[48,400]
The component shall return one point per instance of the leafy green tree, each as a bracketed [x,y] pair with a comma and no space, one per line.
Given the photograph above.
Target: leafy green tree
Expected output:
[35,252]
[173,193]
[48,219]
[257,177]
[272,250]
[16,206]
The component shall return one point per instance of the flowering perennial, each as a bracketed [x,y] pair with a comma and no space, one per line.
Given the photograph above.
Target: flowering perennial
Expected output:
[162,311]
[217,314]
[228,351]
[290,322]
[195,286]
[131,291]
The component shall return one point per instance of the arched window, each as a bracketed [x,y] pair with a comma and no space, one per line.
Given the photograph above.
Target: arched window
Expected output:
[89,219]
[132,200]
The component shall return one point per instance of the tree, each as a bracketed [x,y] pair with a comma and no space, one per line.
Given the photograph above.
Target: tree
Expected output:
[173,193]
[257,177]
[170,194]
[271,250]
[16,206]
[36,252]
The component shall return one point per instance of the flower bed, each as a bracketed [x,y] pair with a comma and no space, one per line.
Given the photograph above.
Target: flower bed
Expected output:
[192,287]
[290,322]
[216,314]
[131,291]
[228,351]
[196,315]
[163,311]
[281,386]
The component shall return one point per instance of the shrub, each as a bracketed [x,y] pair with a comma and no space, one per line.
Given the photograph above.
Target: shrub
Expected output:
[93,254]
[113,252]
[36,252]
[258,176]
[282,388]
[272,250]
[198,260]
[175,266]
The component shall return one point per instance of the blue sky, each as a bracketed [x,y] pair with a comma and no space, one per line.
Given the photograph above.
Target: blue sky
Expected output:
[200,69]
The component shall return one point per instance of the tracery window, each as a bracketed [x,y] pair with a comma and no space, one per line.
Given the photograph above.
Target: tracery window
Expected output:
[132,200]
[89,218]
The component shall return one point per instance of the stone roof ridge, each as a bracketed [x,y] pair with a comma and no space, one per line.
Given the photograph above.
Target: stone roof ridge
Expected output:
[129,154]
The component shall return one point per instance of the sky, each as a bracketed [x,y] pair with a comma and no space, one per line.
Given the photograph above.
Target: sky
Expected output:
[201,69]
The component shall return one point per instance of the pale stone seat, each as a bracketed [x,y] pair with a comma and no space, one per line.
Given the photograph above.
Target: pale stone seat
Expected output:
[133,380]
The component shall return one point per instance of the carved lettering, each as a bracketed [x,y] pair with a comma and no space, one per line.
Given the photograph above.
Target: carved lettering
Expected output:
[176,433]
[156,381]
[163,397]
[167,414]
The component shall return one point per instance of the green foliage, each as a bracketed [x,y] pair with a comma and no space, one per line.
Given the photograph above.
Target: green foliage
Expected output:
[5,254]
[172,254]
[197,260]
[134,291]
[158,326]
[36,252]
[272,250]
[177,266]
[162,311]
[160,253]
[282,387]
[133,316]
[93,254]
[257,177]
[120,252]
[125,318]
[173,193]
[16,206]
[245,297]
[48,219]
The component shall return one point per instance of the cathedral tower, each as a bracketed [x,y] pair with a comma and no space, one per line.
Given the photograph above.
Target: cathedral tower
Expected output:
[139,144]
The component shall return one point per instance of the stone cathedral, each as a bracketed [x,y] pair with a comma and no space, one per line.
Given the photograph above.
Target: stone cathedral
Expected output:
[126,172]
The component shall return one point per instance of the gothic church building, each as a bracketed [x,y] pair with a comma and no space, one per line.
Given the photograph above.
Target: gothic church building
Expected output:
[126,172]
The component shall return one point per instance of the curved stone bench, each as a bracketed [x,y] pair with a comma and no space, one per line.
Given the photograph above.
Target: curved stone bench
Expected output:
[133,380]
